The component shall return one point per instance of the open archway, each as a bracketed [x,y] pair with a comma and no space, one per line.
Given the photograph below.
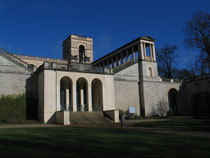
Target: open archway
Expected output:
[66,94]
[81,94]
[172,100]
[97,95]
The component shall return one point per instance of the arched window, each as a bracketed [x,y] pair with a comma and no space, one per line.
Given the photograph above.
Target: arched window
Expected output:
[81,53]
[150,71]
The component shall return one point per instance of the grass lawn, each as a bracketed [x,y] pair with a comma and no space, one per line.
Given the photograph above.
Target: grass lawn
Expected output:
[99,142]
[194,125]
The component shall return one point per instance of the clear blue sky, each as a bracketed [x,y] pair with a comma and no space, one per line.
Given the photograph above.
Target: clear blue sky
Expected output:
[38,27]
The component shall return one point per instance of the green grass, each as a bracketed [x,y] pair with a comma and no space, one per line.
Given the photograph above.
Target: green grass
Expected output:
[195,125]
[99,142]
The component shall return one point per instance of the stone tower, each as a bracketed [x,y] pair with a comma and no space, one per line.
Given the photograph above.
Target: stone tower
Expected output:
[78,49]
[148,58]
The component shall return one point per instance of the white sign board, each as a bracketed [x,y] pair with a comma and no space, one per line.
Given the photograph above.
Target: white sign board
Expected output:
[132,110]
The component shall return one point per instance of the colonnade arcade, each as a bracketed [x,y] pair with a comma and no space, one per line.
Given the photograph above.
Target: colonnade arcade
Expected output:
[143,48]
[80,95]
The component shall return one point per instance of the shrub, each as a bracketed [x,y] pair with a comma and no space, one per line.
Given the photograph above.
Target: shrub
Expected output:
[13,108]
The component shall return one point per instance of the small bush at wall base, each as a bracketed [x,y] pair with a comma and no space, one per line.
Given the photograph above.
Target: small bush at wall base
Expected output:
[12,108]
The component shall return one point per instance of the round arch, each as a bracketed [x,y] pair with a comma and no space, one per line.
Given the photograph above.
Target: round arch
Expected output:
[65,93]
[81,93]
[97,94]
[172,100]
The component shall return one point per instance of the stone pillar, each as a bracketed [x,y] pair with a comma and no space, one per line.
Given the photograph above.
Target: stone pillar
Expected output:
[141,51]
[74,93]
[82,98]
[154,55]
[122,58]
[90,108]
[62,100]
[112,62]
[133,53]
[127,54]
[144,49]
[107,61]
[117,60]
[67,98]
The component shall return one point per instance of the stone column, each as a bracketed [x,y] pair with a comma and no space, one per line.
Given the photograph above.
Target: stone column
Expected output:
[67,98]
[127,54]
[90,97]
[133,53]
[74,93]
[117,60]
[62,100]
[122,58]
[144,49]
[154,55]
[111,66]
[141,51]
[82,98]
[112,62]
[108,63]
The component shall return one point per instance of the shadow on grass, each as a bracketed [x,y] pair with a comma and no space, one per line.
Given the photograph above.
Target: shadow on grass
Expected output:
[98,142]
[195,125]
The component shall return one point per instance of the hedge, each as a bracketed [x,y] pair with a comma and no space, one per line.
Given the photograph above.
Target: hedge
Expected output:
[12,108]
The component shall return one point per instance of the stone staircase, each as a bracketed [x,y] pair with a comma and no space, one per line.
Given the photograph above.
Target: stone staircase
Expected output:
[15,60]
[125,65]
[87,118]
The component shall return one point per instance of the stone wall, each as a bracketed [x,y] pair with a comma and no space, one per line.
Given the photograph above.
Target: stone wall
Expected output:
[126,89]
[156,93]
[12,77]
[199,85]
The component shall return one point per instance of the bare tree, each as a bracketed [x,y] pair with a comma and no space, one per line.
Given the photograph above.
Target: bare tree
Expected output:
[166,59]
[197,33]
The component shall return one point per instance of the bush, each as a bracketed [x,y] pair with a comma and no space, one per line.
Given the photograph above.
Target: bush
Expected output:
[13,108]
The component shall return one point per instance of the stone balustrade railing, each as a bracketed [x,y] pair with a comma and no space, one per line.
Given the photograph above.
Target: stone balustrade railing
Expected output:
[77,67]
[171,80]
[197,78]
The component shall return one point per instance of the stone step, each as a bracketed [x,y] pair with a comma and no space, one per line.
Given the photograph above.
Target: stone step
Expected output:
[89,118]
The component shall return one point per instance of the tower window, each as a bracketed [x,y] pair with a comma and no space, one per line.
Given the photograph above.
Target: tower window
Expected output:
[81,53]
